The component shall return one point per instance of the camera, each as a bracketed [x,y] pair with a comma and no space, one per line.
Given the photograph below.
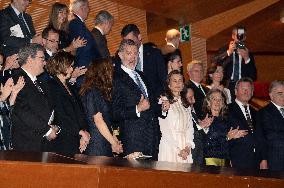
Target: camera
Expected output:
[241,36]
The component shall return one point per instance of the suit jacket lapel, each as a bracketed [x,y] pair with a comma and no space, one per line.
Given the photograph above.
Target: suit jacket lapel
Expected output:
[128,80]
[240,114]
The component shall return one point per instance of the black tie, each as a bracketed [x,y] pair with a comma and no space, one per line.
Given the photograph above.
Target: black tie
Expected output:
[236,67]
[194,117]
[38,87]
[200,87]
[249,121]
[23,22]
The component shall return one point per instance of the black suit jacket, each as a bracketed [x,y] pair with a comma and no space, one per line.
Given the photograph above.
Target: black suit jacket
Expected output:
[8,19]
[247,70]
[68,115]
[270,131]
[154,69]
[30,116]
[242,150]
[199,97]
[101,43]
[137,133]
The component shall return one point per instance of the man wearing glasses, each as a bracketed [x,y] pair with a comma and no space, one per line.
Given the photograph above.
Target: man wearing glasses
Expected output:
[32,115]
[50,41]
[16,27]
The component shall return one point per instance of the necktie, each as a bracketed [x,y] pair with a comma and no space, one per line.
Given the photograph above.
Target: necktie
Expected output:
[249,121]
[282,112]
[38,87]
[139,64]
[140,85]
[200,87]
[23,21]
[236,67]
[194,117]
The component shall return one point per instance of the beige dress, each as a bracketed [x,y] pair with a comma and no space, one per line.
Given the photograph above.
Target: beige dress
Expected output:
[177,133]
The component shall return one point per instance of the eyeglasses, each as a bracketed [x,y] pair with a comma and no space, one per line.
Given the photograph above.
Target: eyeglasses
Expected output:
[42,58]
[53,41]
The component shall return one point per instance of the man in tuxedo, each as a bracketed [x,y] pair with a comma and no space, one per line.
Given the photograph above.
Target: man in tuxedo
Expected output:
[196,72]
[103,24]
[270,129]
[243,151]
[133,103]
[16,27]
[236,60]
[31,128]
[77,28]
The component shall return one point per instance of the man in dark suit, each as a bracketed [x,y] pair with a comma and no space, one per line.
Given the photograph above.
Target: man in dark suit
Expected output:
[50,41]
[236,59]
[270,129]
[77,28]
[243,151]
[16,28]
[133,103]
[195,72]
[30,118]
[103,24]
[150,62]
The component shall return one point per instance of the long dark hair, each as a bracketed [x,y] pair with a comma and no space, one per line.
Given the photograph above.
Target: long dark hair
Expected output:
[53,16]
[99,75]
[211,70]
[168,93]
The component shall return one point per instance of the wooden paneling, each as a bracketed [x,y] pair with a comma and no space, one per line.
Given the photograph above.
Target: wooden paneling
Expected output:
[39,10]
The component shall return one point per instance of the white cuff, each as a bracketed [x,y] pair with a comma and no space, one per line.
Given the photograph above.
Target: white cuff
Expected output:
[48,132]
[137,113]
[247,61]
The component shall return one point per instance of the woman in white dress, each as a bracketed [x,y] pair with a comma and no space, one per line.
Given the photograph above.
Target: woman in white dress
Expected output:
[215,78]
[177,129]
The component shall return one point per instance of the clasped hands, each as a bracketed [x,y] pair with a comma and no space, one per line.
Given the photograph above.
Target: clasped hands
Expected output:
[236,133]
[116,146]
[184,153]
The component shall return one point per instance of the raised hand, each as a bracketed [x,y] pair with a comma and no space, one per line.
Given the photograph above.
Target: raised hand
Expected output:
[78,42]
[6,89]
[16,89]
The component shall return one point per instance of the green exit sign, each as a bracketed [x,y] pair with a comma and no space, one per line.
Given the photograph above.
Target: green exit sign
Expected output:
[184,33]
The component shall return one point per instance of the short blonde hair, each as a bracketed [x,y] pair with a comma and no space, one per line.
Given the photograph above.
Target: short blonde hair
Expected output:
[192,63]
[172,34]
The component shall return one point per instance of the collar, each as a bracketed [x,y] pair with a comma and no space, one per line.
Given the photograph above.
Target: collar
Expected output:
[100,30]
[277,106]
[33,78]
[127,70]
[15,10]
[240,103]
[79,17]
[140,50]
[195,83]
[171,44]
[49,52]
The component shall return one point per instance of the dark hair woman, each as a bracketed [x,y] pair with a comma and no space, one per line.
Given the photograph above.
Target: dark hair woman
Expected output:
[177,130]
[96,97]
[68,110]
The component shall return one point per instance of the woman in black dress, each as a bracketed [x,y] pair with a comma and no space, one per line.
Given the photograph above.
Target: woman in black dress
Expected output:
[68,111]
[96,97]
[216,139]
